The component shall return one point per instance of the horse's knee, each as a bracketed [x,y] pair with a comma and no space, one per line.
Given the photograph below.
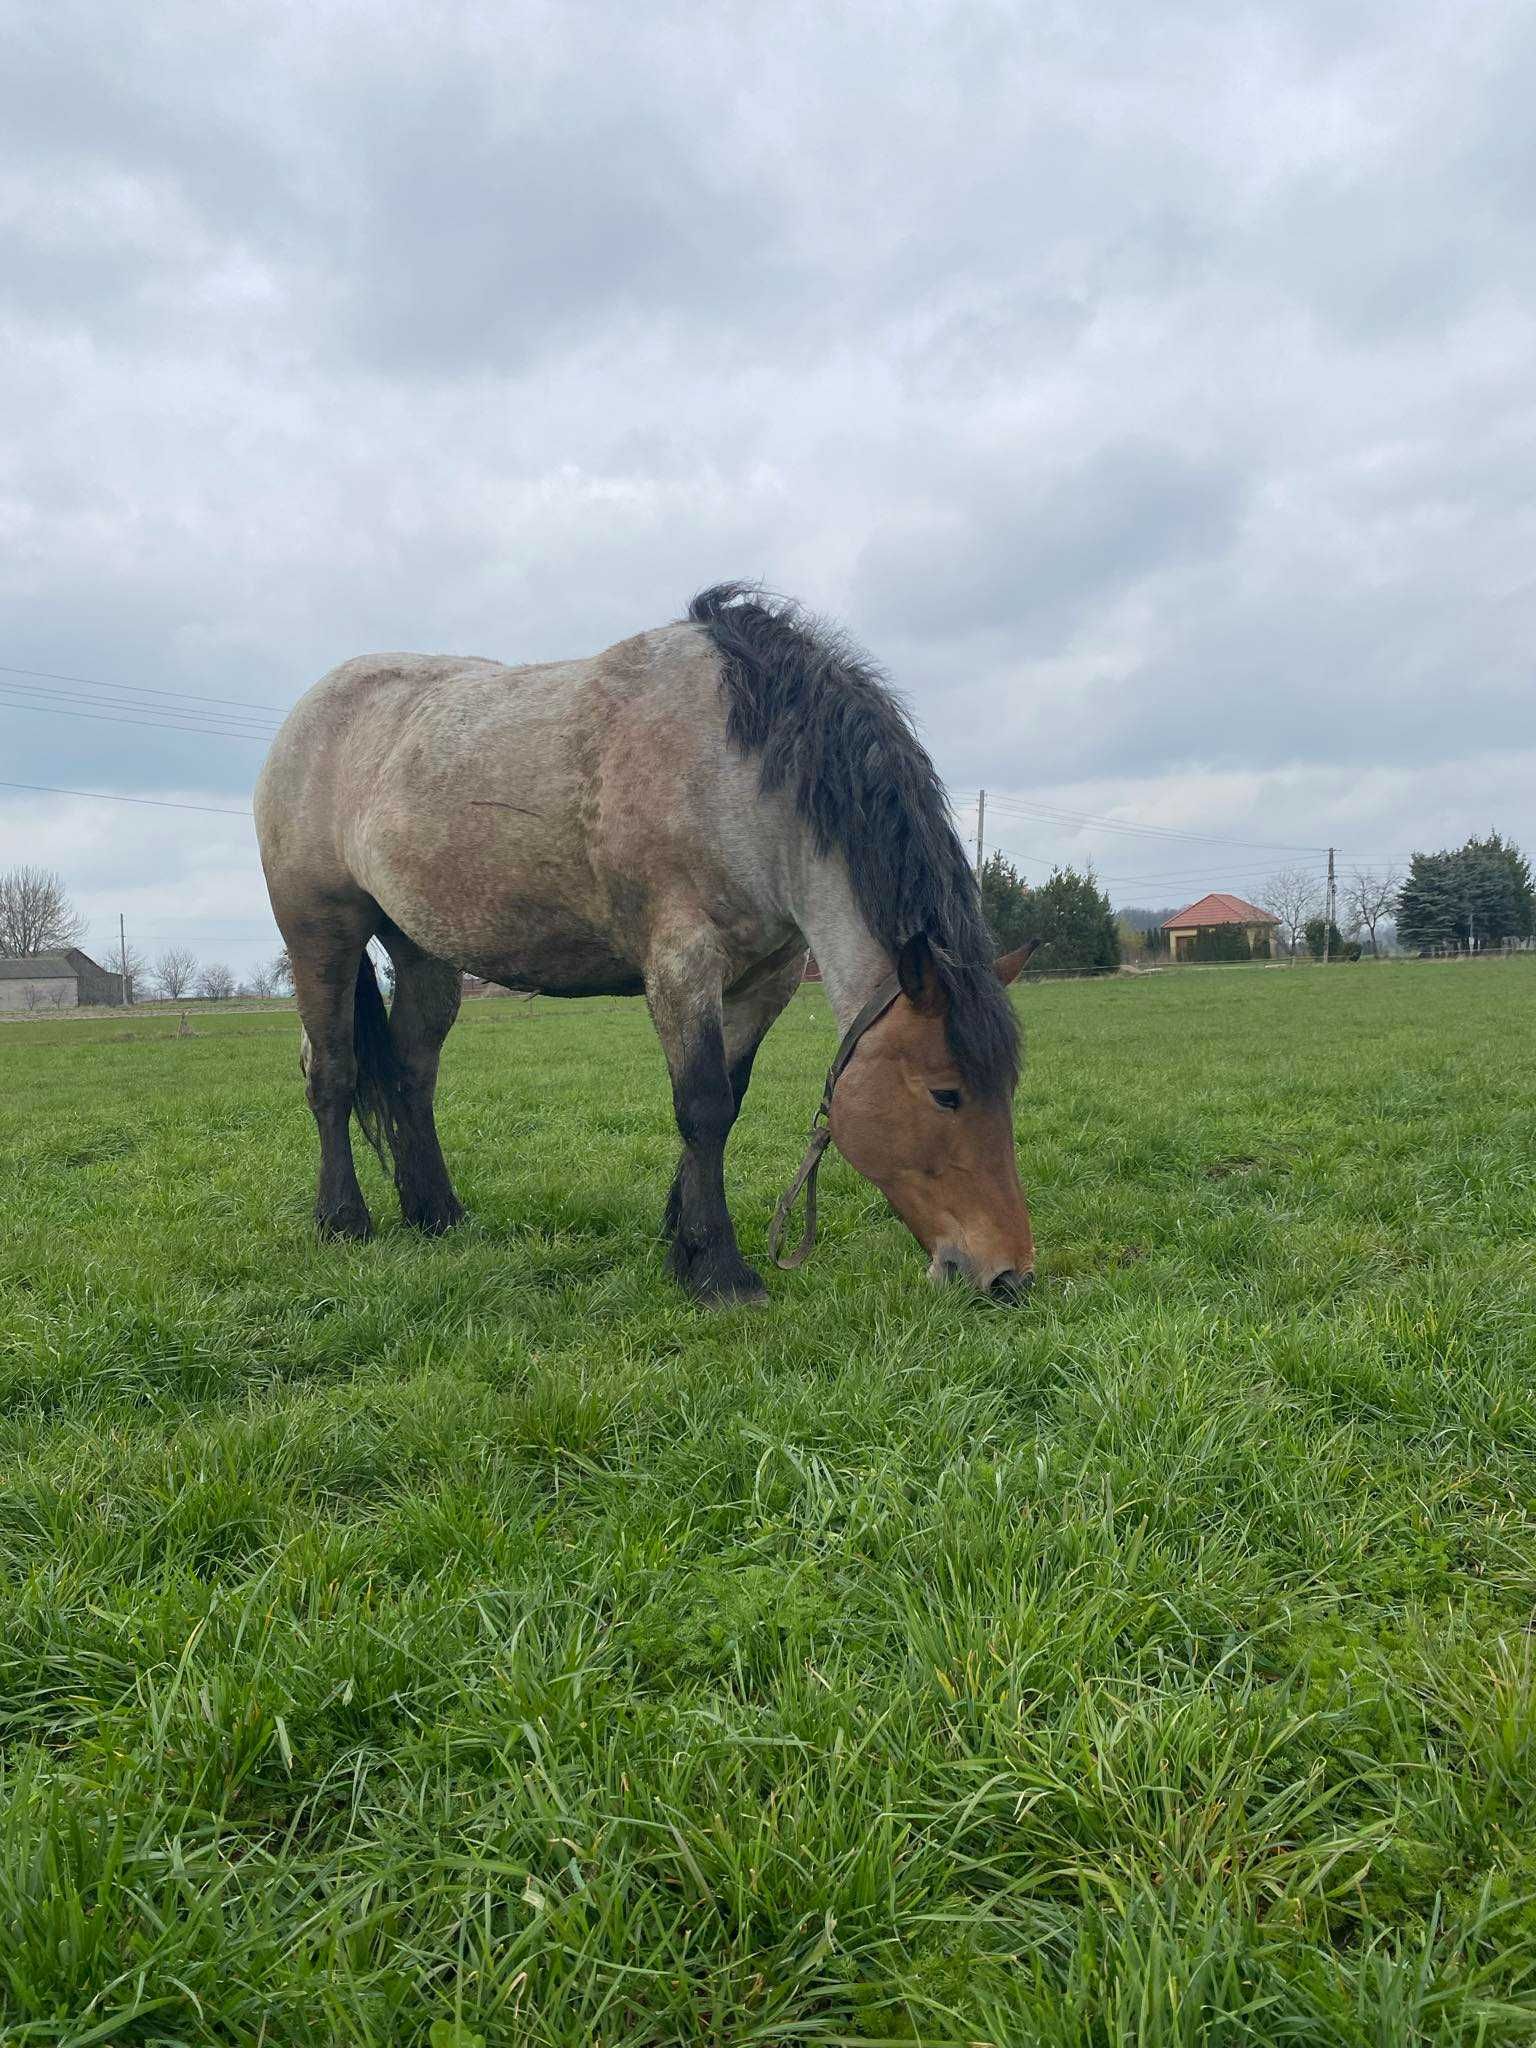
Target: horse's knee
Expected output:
[703,1098]
[329,1087]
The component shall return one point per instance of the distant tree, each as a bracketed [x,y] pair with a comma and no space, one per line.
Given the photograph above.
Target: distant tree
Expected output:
[1317,931]
[1466,898]
[1500,899]
[1072,917]
[1368,897]
[281,970]
[129,962]
[216,982]
[1141,930]
[1219,942]
[1430,911]
[174,972]
[261,981]
[1293,895]
[1004,902]
[1141,918]
[36,915]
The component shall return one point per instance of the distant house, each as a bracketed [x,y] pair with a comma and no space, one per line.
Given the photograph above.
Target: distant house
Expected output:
[58,981]
[1217,909]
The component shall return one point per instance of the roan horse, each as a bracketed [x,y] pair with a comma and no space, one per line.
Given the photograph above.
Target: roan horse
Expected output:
[681,816]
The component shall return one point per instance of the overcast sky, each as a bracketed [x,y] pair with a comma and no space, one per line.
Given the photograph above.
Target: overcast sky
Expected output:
[1151,389]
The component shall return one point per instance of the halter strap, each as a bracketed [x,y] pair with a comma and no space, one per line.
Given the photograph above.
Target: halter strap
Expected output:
[821,1136]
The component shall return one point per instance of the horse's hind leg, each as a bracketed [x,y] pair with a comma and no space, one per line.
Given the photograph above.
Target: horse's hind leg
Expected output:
[426,1002]
[683,988]
[325,957]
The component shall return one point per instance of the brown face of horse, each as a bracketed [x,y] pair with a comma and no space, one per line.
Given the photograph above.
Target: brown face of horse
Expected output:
[941,1155]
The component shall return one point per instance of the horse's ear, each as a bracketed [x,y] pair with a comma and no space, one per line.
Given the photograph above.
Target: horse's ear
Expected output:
[1010,965]
[919,976]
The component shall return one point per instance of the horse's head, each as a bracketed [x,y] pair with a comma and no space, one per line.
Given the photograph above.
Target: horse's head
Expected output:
[940,1153]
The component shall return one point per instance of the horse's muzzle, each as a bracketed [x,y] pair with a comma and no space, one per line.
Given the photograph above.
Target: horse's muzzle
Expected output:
[1008,1287]
[1012,1287]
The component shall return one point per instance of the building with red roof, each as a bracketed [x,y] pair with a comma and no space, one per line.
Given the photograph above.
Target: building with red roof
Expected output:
[1218,908]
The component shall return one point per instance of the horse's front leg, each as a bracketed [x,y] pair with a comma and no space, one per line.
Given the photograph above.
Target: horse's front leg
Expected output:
[683,988]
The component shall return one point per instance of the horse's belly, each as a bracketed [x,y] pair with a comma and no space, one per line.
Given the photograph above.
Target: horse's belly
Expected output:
[551,952]
[576,965]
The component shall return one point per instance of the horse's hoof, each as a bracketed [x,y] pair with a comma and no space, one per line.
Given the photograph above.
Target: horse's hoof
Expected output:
[728,1286]
[753,1295]
[434,1222]
[717,1280]
[355,1225]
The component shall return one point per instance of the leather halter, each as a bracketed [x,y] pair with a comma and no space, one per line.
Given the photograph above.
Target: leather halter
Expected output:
[821,1135]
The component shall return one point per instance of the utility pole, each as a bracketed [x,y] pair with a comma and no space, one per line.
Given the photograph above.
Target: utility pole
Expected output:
[981,820]
[1328,912]
[122,957]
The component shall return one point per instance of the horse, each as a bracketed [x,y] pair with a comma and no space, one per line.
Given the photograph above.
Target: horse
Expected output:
[683,816]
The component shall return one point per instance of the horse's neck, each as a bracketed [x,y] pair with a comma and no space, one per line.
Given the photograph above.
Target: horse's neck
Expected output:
[852,960]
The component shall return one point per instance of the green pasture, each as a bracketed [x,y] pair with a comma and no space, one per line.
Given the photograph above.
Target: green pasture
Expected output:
[471,1640]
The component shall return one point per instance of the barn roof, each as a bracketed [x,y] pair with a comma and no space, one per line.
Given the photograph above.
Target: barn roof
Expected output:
[47,966]
[1218,908]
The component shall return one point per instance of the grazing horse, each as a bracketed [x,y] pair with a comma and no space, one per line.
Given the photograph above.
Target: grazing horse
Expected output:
[681,816]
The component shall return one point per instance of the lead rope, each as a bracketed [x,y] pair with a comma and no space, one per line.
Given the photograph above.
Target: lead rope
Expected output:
[821,1136]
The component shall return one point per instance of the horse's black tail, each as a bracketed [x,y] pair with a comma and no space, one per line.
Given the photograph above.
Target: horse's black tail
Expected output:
[376,1096]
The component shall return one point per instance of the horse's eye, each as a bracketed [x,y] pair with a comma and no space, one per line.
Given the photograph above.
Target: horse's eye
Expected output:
[946,1098]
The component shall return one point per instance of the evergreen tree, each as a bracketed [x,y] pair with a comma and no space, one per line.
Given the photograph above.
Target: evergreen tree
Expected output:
[1073,918]
[1219,942]
[1497,886]
[1476,895]
[1428,906]
[1316,929]
[1004,902]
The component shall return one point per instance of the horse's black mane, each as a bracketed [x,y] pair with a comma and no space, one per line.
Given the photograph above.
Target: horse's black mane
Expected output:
[829,728]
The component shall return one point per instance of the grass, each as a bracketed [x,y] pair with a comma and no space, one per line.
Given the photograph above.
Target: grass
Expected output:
[471,1641]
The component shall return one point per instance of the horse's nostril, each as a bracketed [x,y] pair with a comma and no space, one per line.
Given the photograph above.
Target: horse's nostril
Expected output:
[1012,1286]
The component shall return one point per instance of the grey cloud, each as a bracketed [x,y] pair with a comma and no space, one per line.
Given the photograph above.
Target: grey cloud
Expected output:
[1149,388]
[1030,556]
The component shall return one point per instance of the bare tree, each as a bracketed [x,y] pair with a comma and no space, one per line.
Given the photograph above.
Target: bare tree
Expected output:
[261,981]
[1293,896]
[1368,897]
[281,971]
[174,972]
[216,982]
[36,916]
[129,962]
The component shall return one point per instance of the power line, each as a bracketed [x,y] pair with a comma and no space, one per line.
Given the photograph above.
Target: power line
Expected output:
[108,796]
[222,718]
[47,675]
[157,725]
[1237,872]
[1058,814]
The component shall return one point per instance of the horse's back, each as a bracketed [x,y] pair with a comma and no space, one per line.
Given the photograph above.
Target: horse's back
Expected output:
[432,716]
[470,799]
